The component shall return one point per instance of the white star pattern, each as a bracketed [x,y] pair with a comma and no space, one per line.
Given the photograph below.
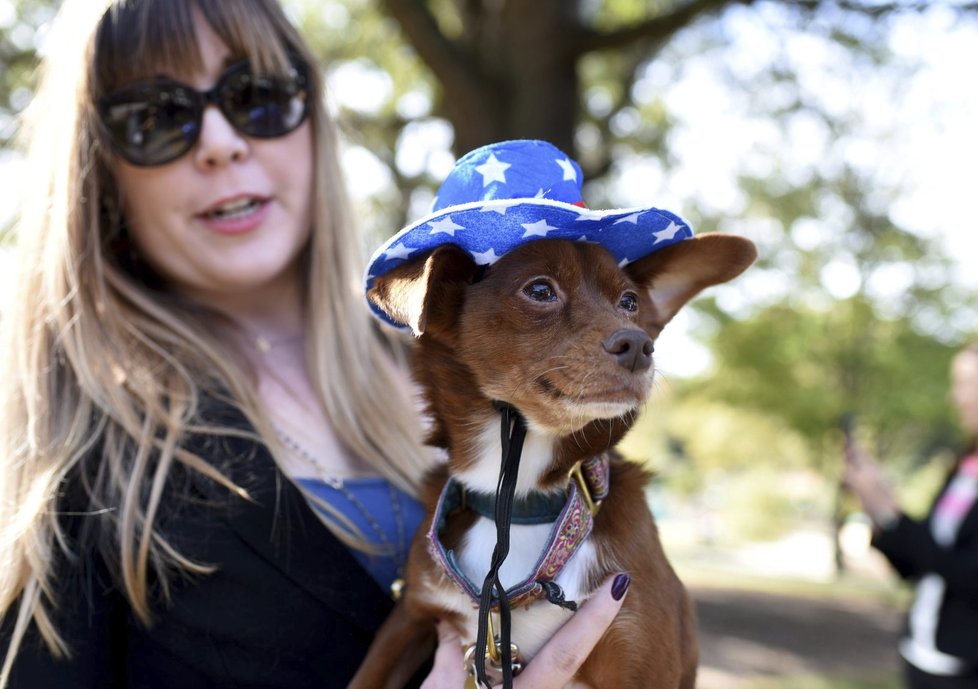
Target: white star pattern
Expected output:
[498,207]
[668,233]
[398,251]
[485,258]
[445,225]
[588,214]
[540,228]
[570,174]
[623,262]
[633,219]
[493,170]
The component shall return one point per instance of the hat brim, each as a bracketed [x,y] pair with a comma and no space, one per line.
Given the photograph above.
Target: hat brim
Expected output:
[488,230]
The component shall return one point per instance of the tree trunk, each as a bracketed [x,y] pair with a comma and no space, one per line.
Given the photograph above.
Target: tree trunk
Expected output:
[511,74]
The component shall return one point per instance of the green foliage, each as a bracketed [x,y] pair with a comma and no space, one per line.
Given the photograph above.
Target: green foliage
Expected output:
[18,58]
[709,434]
[615,14]
[808,367]
[748,466]
[757,507]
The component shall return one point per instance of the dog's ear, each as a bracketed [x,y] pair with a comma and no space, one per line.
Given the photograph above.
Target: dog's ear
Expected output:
[677,273]
[427,292]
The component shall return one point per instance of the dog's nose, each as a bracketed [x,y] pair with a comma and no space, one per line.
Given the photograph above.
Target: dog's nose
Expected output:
[632,347]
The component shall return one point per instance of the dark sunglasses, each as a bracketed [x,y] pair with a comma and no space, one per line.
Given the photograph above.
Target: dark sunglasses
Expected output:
[155,122]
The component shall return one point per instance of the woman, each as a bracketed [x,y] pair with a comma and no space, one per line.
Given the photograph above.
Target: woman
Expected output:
[207,455]
[940,554]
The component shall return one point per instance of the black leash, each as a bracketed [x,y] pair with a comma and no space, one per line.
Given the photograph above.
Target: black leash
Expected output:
[513,429]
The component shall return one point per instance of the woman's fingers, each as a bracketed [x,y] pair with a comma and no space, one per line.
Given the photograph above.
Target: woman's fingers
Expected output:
[448,671]
[557,662]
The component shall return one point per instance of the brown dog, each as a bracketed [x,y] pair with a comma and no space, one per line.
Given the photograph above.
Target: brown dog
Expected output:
[559,331]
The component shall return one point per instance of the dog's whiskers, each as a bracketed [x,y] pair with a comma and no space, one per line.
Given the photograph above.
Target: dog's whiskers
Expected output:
[578,437]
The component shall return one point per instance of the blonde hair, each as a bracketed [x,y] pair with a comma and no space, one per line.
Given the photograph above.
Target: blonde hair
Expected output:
[102,372]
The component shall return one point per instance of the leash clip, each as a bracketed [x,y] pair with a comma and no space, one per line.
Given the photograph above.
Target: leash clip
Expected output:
[493,658]
[576,474]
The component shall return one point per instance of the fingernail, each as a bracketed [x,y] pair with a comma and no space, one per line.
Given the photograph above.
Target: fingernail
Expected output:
[620,586]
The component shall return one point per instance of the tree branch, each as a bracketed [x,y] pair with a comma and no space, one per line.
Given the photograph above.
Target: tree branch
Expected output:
[882,9]
[453,66]
[657,29]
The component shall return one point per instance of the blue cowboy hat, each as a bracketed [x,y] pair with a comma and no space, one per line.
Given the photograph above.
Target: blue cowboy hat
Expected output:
[506,194]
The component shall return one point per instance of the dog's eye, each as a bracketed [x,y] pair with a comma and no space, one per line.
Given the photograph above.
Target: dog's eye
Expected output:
[628,302]
[540,291]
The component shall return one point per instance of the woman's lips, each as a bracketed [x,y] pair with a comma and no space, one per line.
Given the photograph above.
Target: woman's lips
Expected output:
[236,216]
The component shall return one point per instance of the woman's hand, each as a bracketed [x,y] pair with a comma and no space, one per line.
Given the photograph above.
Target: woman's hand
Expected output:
[864,477]
[557,662]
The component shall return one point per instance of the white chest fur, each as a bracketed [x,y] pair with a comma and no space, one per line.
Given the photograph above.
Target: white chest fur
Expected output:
[483,474]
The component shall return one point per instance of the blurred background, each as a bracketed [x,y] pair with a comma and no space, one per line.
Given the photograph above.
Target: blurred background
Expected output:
[839,135]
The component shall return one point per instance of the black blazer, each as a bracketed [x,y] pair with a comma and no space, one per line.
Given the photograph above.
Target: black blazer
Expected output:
[912,551]
[288,605]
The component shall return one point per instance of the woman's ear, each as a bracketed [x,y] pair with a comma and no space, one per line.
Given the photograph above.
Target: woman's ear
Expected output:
[427,292]
[677,273]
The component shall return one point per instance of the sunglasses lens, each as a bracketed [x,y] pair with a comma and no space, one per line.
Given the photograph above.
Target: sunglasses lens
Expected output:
[152,126]
[264,106]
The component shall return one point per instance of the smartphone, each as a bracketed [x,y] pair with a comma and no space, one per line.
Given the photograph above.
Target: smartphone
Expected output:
[847,423]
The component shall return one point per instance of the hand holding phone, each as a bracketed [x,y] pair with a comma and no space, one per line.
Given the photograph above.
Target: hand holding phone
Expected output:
[865,478]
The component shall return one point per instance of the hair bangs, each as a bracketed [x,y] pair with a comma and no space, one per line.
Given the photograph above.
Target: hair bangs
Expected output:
[255,30]
[141,39]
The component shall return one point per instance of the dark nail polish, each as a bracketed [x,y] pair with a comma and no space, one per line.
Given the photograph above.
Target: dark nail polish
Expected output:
[620,586]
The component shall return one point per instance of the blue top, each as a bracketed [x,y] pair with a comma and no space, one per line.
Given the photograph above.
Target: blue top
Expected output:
[397,514]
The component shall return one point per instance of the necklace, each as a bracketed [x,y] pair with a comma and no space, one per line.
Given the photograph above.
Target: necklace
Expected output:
[265,345]
[398,553]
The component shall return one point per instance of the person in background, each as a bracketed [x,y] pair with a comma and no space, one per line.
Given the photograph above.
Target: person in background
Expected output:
[209,456]
[939,553]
